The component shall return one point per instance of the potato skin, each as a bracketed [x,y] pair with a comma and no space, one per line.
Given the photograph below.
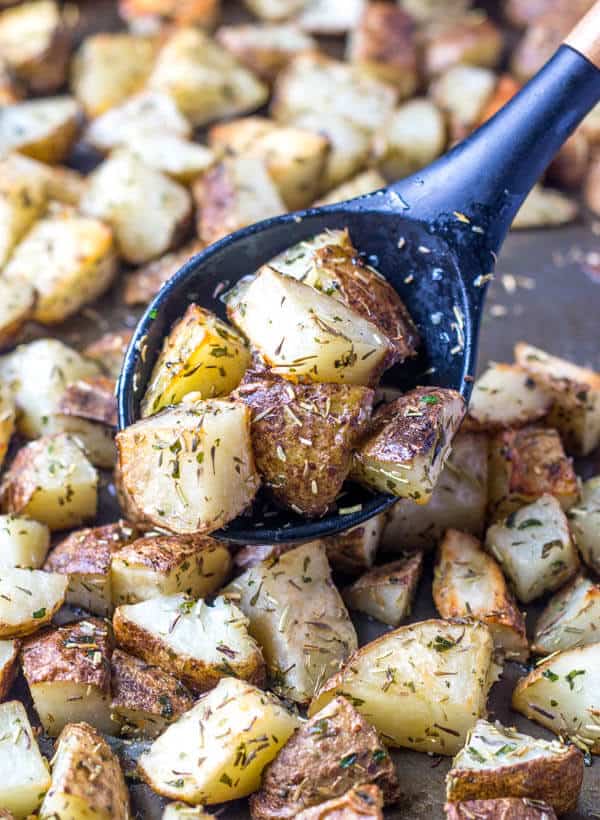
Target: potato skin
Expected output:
[9,670]
[360,803]
[109,350]
[142,285]
[90,550]
[93,398]
[504,808]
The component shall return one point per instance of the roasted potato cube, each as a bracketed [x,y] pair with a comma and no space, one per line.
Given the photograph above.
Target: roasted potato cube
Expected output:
[265,49]
[274,9]
[313,82]
[7,421]
[524,465]
[190,468]
[562,694]
[35,44]
[25,775]
[364,183]
[469,584]
[182,811]
[114,194]
[362,802]
[17,301]
[440,670]
[76,790]
[9,663]
[198,642]
[428,11]
[69,259]
[298,617]
[23,195]
[329,754]
[43,129]
[178,158]
[85,557]
[52,481]
[463,92]
[331,17]
[470,40]
[545,208]
[497,761]
[354,551]
[584,522]
[23,542]
[303,436]
[505,395]
[575,392]
[109,351]
[534,548]
[28,600]
[62,184]
[571,618]
[233,194]
[509,808]
[145,699]
[165,565]
[181,12]
[409,442]
[67,670]
[110,67]
[412,137]
[142,285]
[315,338]
[200,355]
[92,403]
[384,45]
[10,90]
[387,591]
[205,80]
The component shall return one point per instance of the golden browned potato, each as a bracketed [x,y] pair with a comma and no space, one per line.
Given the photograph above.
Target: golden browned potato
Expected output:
[142,285]
[545,208]
[470,40]
[9,663]
[384,45]
[592,186]
[569,167]
[387,591]
[364,183]
[85,557]
[178,158]
[17,300]
[274,9]
[145,699]
[43,129]
[498,761]
[427,11]
[29,599]
[505,395]
[298,617]
[188,469]
[10,92]
[303,436]
[23,542]
[335,750]
[7,419]
[265,49]
[92,398]
[87,780]
[181,12]
[412,137]
[463,92]
[25,773]
[364,802]
[584,522]
[109,351]
[409,442]
[571,618]
[67,670]
[509,808]
[353,551]
[523,465]
[23,195]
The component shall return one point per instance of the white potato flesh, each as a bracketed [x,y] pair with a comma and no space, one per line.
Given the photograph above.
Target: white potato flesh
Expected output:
[189,468]
[274,9]
[23,542]
[571,618]
[440,671]
[462,91]
[386,592]
[431,10]
[243,728]
[24,773]
[96,440]
[28,33]
[23,195]
[17,299]
[364,183]
[534,548]
[505,395]
[314,338]
[59,703]
[563,694]
[544,208]
[176,157]
[7,420]
[330,17]
[354,551]
[114,193]
[584,521]
[28,600]
[413,136]
[43,129]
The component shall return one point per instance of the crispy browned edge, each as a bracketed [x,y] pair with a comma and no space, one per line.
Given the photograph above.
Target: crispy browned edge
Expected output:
[364,801]
[504,808]
[92,398]
[162,553]
[9,670]
[90,550]
[139,686]
[143,284]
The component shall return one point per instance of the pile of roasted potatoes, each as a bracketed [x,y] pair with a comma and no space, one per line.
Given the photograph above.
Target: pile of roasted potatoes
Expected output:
[126,147]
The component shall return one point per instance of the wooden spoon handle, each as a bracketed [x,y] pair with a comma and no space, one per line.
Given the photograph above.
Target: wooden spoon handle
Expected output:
[585,37]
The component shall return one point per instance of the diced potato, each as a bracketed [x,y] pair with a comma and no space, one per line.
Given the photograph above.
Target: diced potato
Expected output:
[109,68]
[52,481]
[142,285]
[17,300]
[563,694]
[243,729]
[299,619]
[25,775]
[505,395]
[571,618]
[516,808]
[181,12]
[28,600]
[198,642]
[364,183]
[9,663]
[265,49]
[145,699]
[166,565]
[77,791]
[233,194]
[68,674]
[178,158]
[331,17]
[109,351]
[23,195]
[205,80]
[325,341]
[190,468]
[584,522]
[200,355]
[7,421]
[332,752]
[469,584]
[470,40]
[150,112]
[524,465]
[534,548]
[354,551]
[85,557]
[365,802]
[23,542]
[497,761]
[412,137]
[383,43]
[463,91]
[575,392]
[68,259]
[91,405]
[545,208]
[115,192]
[182,811]
[386,592]
[43,129]
[427,11]
[439,671]
[409,442]
[274,9]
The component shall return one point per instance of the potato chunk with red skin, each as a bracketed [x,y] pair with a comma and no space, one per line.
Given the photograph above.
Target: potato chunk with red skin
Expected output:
[509,808]
[386,592]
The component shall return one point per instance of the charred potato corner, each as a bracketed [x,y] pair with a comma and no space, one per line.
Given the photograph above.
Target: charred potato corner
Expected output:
[150,669]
